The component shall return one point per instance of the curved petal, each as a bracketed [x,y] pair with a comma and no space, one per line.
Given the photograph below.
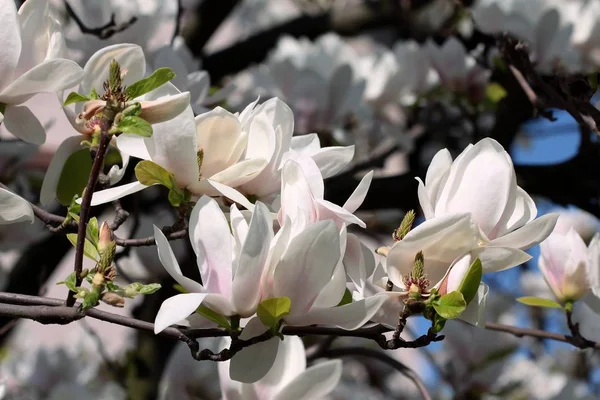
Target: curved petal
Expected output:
[494,259]
[63,152]
[329,210]
[529,235]
[524,212]
[333,292]
[213,188]
[475,312]
[307,265]
[133,145]
[425,200]
[129,56]
[10,32]
[261,139]
[240,172]
[314,383]
[239,228]
[245,291]
[115,193]
[21,122]
[164,108]
[177,308]
[253,362]
[168,260]
[213,245]
[198,84]
[116,172]
[49,76]
[349,317]
[289,364]
[306,144]
[437,173]
[332,160]
[14,208]
[358,196]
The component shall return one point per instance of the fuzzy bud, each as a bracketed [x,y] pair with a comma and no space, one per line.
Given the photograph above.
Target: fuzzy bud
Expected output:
[405,226]
[104,237]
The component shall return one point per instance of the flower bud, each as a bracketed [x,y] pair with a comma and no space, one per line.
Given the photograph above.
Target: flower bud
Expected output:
[104,237]
[98,279]
[112,299]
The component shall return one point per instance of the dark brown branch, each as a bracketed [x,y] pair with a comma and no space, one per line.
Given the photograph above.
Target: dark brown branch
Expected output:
[103,32]
[378,355]
[86,201]
[149,241]
[576,337]
[120,216]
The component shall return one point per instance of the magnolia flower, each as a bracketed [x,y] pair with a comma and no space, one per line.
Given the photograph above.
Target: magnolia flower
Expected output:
[31,63]
[287,379]
[189,77]
[584,223]
[231,263]
[458,71]
[481,181]
[159,107]
[14,208]
[565,262]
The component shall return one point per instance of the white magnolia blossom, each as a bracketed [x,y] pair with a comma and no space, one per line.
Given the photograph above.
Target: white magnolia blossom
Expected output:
[159,107]
[189,77]
[566,263]
[585,224]
[458,70]
[318,80]
[288,378]
[31,62]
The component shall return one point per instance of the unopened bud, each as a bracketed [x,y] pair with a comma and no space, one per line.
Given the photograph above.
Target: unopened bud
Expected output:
[383,250]
[104,237]
[84,273]
[418,271]
[405,226]
[98,279]
[112,299]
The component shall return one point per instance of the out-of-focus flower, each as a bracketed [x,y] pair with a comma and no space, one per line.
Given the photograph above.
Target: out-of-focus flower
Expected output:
[565,262]
[287,379]
[14,208]
[31,62]
[584,223]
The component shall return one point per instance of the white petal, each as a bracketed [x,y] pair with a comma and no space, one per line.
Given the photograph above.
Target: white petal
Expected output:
[475,312]
[129,56]
[358,196]
[115,193]
[239,228]
[253,362]
[307,265]
[306,144]
[424,200]
[177,308]
[21,122]
[14,208]
[213,245]
[49,76]
[329,210]
[117,172]
[134,145]
[10,32]
[525,211]
[349,317]
[333,292]
[240,173]
[63,152]
[261,138]
[213,188]
[289,364]
[314,383]
[251,262]
[164,108]
[529,235]
[168,260]
[494,259]
[332,160]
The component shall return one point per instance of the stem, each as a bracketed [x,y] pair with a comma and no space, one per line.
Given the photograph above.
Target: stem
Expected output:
[85,209]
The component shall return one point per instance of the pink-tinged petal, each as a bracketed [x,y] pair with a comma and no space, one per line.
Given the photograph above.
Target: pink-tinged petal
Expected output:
[349,317]
[424,200]
[63,152]
[115,193]
[49,76]
[177,308]
[297,200]
[129,56]
[245,290]
[332,160]
[10,32]
[134,145]
[14,208]
[529,235]
[21,122]
[310,171]
[268,181]
[314,383]
[358,196]
[213,245]
[213,188]
[441,239]
[168,260]
[333,292]
[253,362]
[475,312]
[494,259]
[164,108]
[307,265]
[280,244]
[593,271]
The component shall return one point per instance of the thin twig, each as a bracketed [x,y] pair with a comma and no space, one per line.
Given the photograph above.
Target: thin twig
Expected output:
[103,32]
[120,215]
[149,241]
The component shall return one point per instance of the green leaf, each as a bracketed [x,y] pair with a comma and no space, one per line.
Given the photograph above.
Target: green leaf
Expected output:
[89,249]
[135,125]
[494,92]
[150,173]
[145,85]
[346,299]
[75,97]
[175,198]
[74,176]
[94,94]
[272,310]
[438,323]
[450,305]
[90,300]
[111,286]
[92,231]
[70,282]
[470,283]
[538,302]
[149,288]
[213,316]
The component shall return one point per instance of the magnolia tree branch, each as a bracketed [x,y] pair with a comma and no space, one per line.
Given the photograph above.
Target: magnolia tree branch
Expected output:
[103,32]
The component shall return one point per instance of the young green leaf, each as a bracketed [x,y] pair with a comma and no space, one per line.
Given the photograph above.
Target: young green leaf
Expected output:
[470,283]
[450,305]
[92,231]
[74,176]
[90,300]
[135,125]
[75,97]
[89,249]
[149,288]
[272,310]
[213,316]
[150,173]
[175,198]
[149,83]
[70,282]
[538,302]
